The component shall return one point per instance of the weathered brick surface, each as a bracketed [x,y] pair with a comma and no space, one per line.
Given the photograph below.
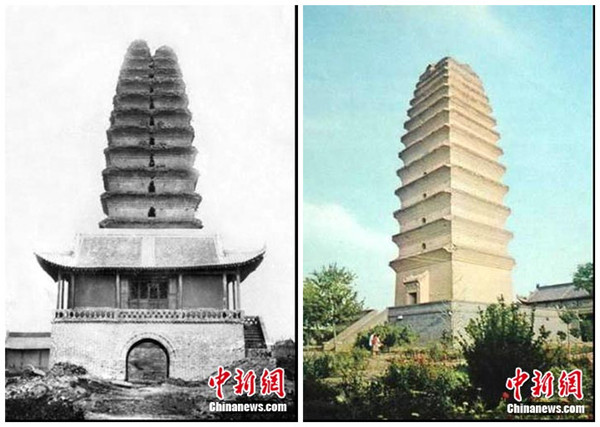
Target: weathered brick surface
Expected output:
[195,349]
[432,320]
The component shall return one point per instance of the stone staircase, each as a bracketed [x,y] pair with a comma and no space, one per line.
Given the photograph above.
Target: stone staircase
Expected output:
[254,336]
[346,339]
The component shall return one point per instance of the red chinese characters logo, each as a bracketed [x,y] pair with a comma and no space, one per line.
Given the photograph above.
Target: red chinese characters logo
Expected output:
[543,384]
[244,383]
[570,383]
[515,383]
[218,380]
[271,382]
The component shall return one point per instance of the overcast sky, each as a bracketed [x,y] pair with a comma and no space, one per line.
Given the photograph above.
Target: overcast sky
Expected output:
[361,65]
[62,65]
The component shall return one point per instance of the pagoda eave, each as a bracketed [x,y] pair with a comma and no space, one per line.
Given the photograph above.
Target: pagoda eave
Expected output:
[150,249]
[246,267]
[150,223]
[151,171]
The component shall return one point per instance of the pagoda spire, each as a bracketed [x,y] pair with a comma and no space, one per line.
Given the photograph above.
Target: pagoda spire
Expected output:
[149,179]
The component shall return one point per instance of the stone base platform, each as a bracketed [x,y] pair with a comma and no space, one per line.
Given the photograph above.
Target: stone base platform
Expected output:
[435,320]
[195,347]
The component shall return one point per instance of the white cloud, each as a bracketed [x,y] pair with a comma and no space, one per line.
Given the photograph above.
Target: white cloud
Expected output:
[335,222]
[333,235]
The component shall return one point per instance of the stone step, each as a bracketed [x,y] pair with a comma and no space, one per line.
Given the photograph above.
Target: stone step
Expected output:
[253,336]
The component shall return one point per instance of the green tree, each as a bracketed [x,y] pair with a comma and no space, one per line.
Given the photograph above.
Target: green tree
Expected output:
[583,324]
[499,340]
[584,277]
[329,300]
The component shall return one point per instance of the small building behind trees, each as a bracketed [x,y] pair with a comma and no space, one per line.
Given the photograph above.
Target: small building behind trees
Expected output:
[562,295]
[575,305]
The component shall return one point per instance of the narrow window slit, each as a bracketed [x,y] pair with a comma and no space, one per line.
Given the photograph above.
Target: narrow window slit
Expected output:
[151,163]
[151,187]
[152,212]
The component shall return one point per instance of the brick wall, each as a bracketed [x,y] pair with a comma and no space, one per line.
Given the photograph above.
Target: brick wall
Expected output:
[195,349]
[431,320]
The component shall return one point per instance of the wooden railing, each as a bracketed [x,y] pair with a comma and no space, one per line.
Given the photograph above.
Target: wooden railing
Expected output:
[200,315]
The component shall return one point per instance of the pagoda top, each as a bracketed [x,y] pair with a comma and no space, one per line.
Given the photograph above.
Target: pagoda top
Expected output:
[149,179]
[447,63]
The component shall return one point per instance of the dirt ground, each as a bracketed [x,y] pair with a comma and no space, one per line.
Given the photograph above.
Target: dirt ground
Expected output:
[67,393]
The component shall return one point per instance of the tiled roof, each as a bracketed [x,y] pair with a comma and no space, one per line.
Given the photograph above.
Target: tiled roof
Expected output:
[148,249]
[28,341]
[560,292]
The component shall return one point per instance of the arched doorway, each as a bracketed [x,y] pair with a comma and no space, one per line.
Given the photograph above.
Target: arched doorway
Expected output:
[147,361]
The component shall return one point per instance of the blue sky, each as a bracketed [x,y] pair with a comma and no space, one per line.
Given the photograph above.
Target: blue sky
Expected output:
[360,68]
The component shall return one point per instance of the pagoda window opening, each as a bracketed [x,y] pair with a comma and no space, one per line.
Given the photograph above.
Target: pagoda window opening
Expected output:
[151,121]
[151,163]
[152,212]
[412,292]
[151,140]
[412,298]
[151,89]
[423,246]
[151,104]
[151,187]
[423,220]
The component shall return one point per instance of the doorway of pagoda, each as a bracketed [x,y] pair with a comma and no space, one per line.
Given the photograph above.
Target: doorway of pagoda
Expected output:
[147,362]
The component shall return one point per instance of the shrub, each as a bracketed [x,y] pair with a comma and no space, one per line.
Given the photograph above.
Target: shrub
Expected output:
[66,368]
[318,366]
[390,335]
[348,364]
[41,409]
[586,328]
[325,365]
[324,401]
[415,390]
[499,340]
[320,401]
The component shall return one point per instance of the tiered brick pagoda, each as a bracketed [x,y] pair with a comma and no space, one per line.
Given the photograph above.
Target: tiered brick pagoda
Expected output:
[150,295]
[452,241]
[149,177]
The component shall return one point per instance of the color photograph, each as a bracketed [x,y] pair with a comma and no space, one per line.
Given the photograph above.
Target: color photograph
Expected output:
[448,213]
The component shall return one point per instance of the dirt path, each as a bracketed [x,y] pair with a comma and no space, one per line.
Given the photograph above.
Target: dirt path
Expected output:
[68,393]
[164,401]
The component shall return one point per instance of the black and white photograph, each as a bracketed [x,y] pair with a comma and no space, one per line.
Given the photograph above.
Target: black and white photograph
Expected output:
[150,213]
